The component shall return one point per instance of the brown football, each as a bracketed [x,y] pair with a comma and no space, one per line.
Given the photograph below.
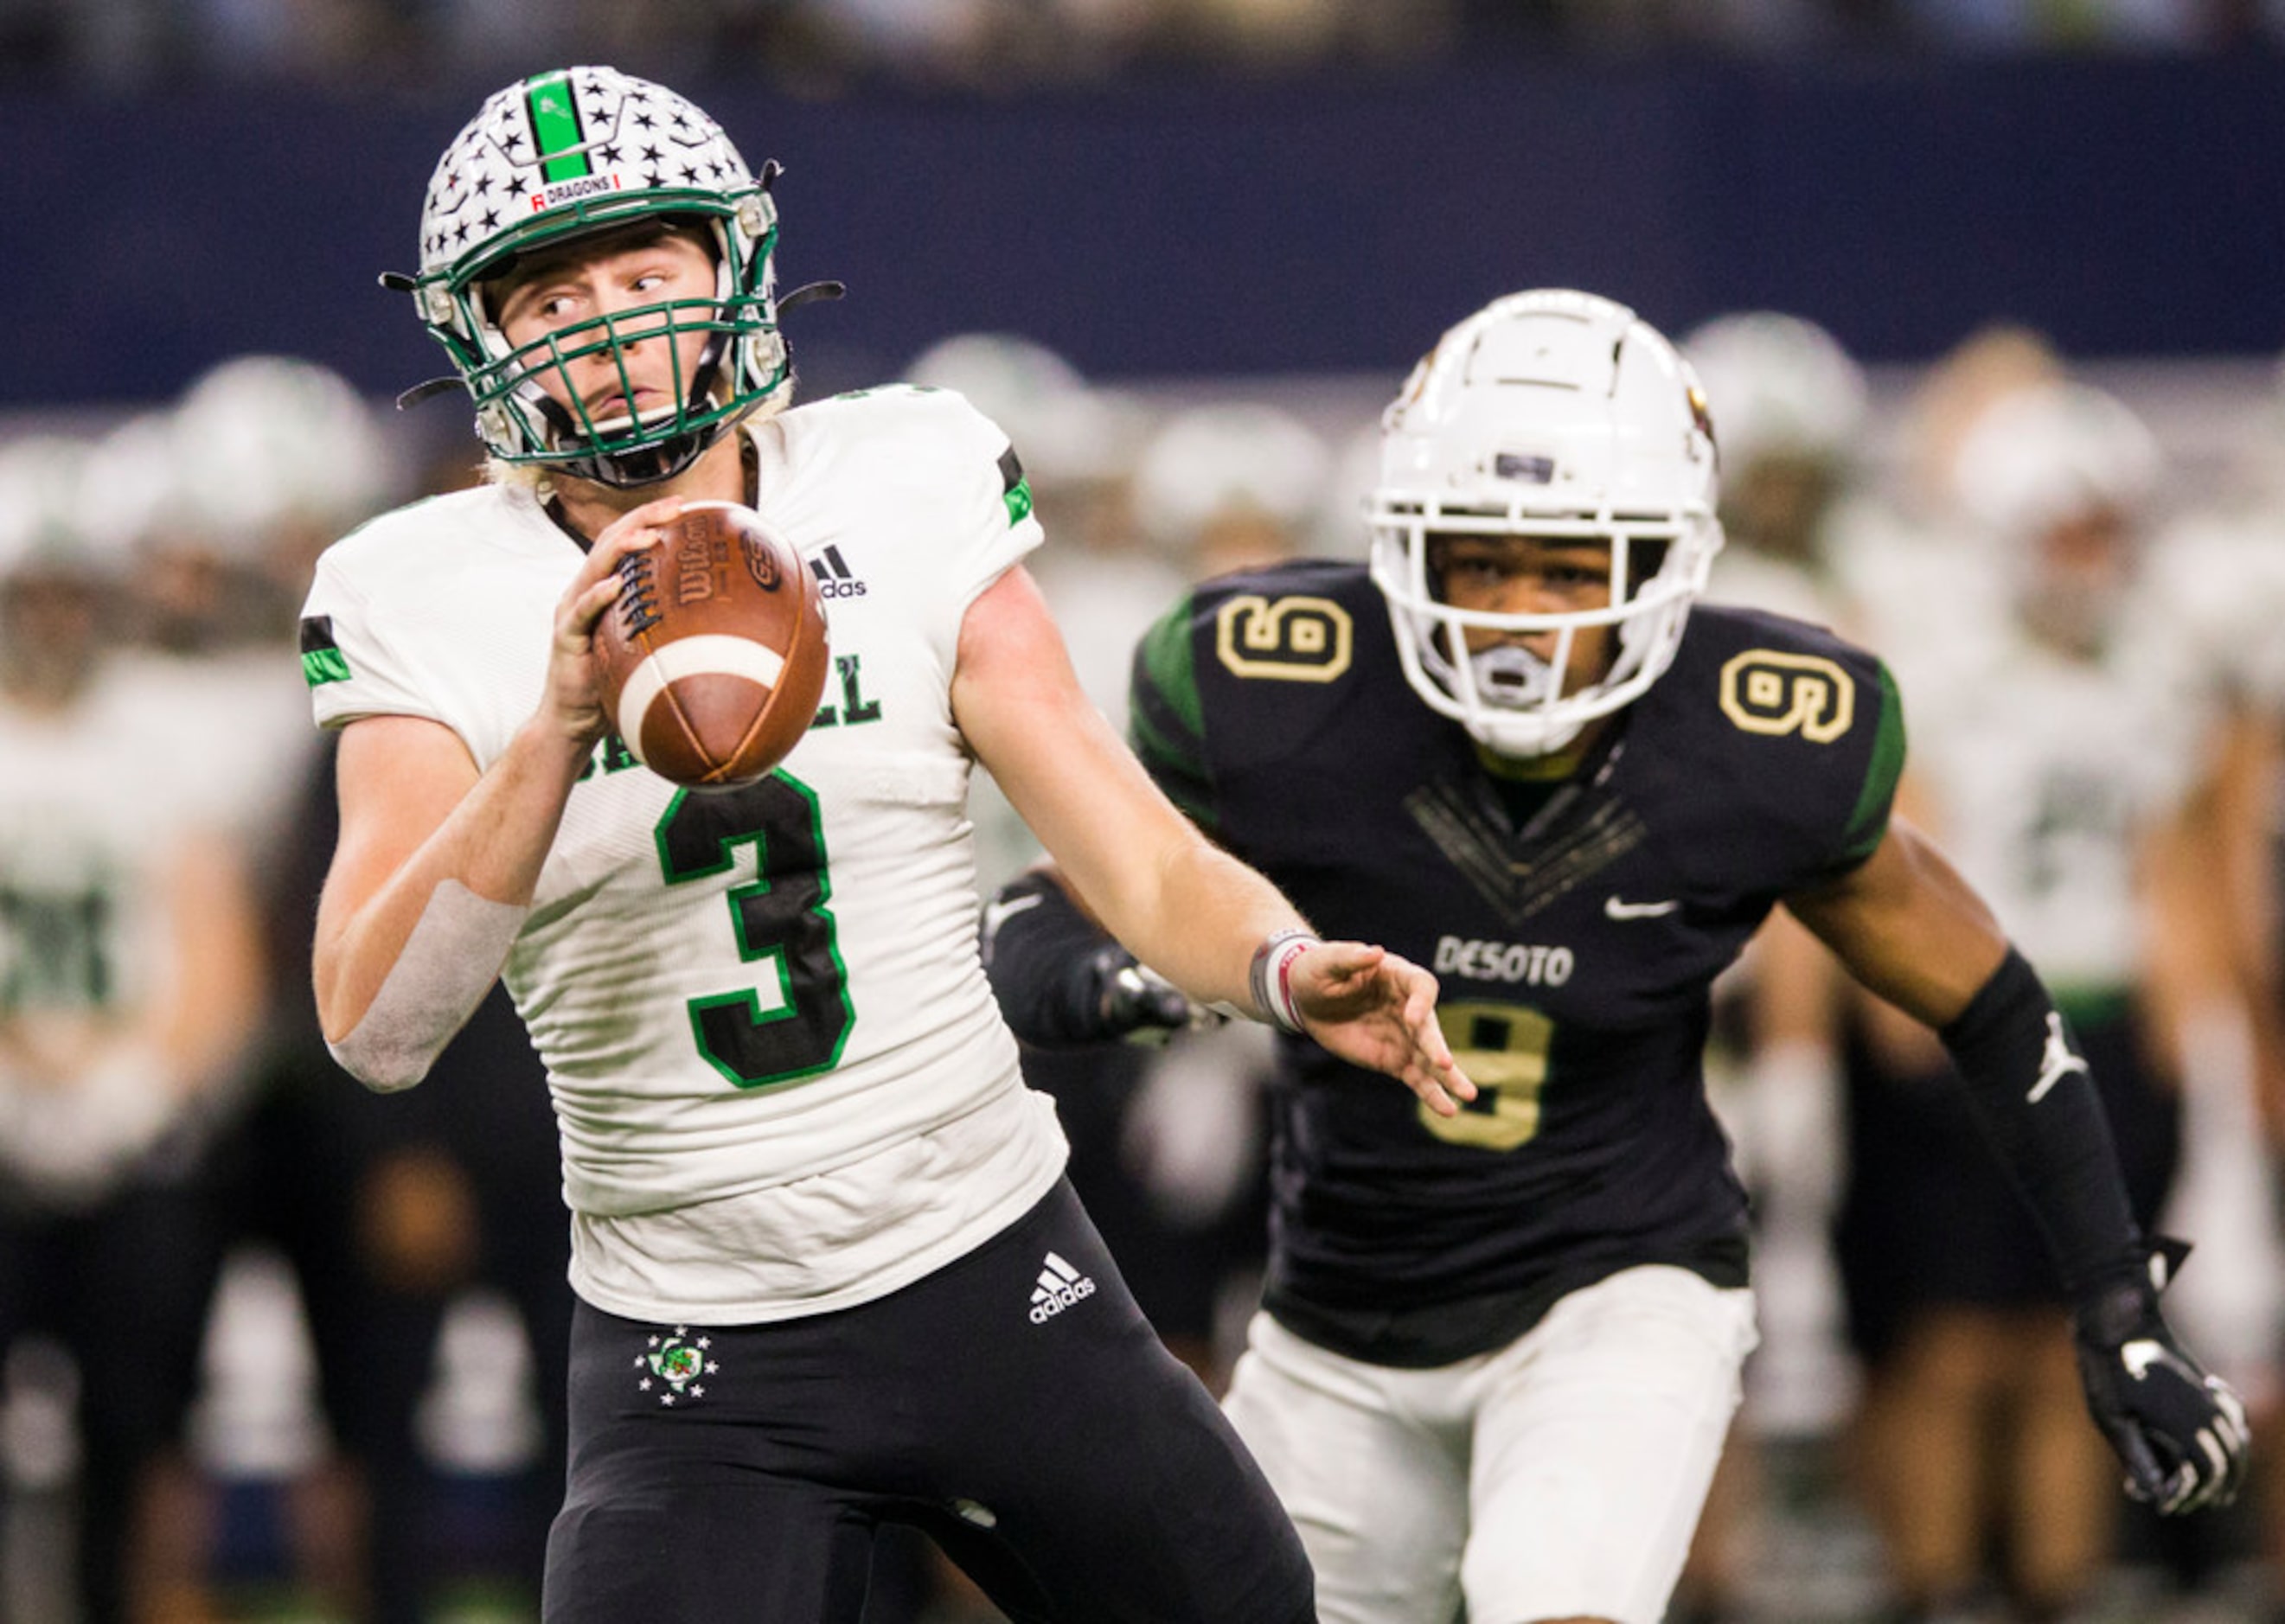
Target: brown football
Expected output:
[714,656]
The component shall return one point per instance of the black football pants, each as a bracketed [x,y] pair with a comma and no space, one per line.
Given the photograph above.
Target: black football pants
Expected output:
[1016,1405]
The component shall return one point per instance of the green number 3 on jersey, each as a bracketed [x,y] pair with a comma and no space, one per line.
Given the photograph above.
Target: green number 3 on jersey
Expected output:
[780,918]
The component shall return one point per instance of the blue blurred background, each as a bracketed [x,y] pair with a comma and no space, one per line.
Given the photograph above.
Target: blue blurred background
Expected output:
[1153,206]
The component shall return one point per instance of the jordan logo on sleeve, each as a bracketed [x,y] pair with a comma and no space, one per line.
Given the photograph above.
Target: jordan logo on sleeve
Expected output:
[2056,1061]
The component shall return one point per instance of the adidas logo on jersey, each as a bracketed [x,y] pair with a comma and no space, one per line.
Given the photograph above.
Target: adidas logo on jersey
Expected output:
[834,579]
[1060,1286]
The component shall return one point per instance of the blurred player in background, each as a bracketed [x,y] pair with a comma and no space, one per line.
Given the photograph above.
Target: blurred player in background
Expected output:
[1903,549]
[2055,761]
[1077,442]
[387,1214]
[129,984]
[1499,1349]
[830,1273]
[2220,568]
[1793,407]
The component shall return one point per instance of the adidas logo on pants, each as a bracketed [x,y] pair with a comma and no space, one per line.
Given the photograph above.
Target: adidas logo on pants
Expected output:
[1060,1286]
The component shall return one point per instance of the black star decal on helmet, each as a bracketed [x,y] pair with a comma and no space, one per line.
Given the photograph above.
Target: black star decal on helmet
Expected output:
[492,218]
[608,153]
[644,119]
[650,156]
[483,184]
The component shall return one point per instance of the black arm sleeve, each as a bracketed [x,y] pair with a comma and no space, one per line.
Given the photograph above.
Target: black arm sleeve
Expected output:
[2036,1102]
[1048,963]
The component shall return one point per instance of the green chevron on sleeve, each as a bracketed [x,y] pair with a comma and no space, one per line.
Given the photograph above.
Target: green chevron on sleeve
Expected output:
[1014,489]
[1869,822]
[322,659]
[1166,718]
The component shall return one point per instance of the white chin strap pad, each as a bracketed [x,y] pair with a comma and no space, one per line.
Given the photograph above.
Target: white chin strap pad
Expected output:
[448,964]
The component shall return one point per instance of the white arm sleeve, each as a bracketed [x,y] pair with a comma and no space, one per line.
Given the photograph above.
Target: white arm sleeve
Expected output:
[448,964]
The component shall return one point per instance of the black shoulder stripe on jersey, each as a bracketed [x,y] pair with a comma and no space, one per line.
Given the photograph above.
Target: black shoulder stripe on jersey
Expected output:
[1869,822]
[1011,469]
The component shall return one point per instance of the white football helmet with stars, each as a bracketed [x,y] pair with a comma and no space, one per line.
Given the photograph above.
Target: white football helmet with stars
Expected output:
[1556,414]
[568,154]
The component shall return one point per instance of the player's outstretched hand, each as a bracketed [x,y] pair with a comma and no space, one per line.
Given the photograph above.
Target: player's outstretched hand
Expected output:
[1373,1009]
[2181,1432]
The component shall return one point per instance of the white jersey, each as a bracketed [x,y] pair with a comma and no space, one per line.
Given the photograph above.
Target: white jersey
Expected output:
[2220,581]
[93,805]
[241,724]
[2046,771]
[781,1082]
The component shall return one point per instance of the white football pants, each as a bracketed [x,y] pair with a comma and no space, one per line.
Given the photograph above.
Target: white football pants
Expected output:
[1558,1476]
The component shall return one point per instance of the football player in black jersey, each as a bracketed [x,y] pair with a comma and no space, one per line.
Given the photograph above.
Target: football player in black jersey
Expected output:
[1498,1349]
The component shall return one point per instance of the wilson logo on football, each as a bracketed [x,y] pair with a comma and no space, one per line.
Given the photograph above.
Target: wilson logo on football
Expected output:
[1766,692]
[702,566]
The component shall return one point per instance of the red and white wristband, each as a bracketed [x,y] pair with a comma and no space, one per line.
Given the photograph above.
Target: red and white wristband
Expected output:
[1270,976]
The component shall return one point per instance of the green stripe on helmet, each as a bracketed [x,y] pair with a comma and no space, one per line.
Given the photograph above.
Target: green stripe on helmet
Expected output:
[554,113]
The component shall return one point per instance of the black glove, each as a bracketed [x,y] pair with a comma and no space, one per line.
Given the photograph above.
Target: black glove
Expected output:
[1063,982]
[1136,1005]
[2181,1432]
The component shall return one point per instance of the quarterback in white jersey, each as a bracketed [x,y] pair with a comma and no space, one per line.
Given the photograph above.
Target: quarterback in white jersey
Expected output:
[813,1065]
[822,1245]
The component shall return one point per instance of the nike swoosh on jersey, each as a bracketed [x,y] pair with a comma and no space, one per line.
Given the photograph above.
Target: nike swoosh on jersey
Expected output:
[1614,908]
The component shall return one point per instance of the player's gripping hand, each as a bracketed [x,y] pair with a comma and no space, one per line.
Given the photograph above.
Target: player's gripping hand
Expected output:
[1373,1008]
[574,698]
[2181,1432]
